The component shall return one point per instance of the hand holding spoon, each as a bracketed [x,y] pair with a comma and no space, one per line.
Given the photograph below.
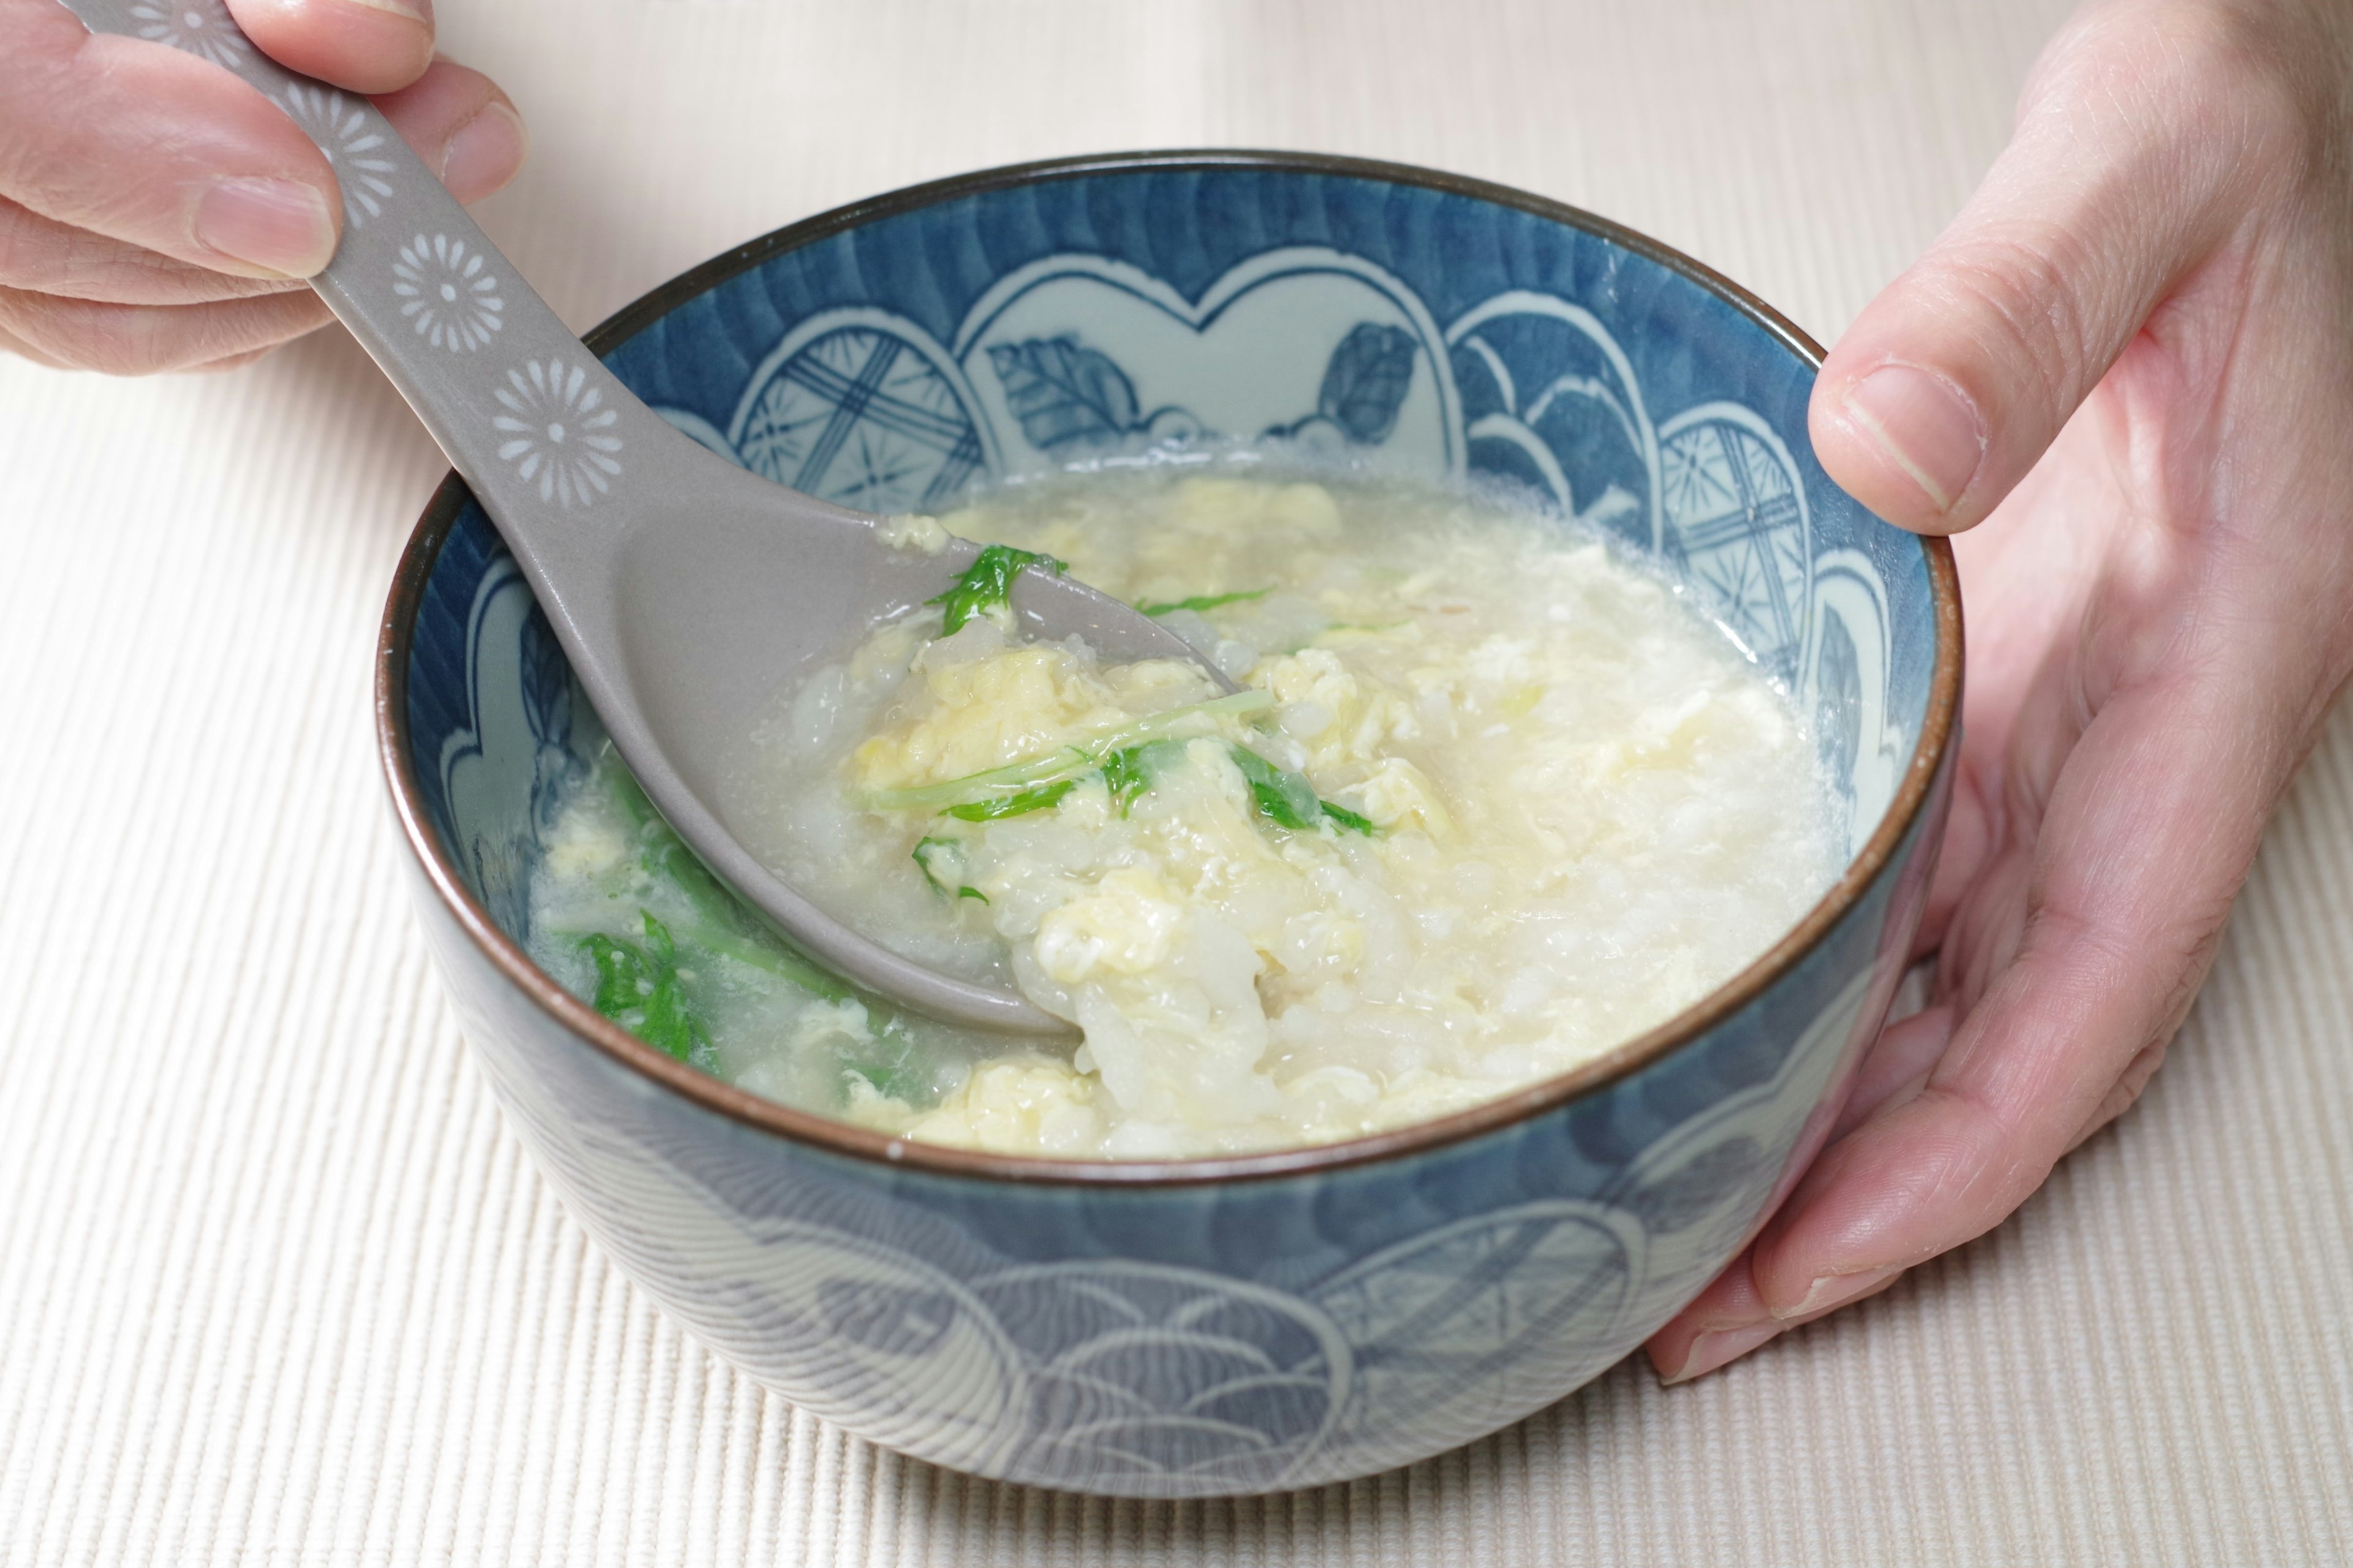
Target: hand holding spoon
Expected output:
[683,588]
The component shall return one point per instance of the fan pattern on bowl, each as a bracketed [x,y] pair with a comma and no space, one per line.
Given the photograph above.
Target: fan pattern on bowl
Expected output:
[1189,1340]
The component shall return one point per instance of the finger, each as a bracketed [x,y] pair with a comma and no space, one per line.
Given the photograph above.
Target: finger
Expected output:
[232,362]
[2124,1096]
[11,343]
[1730,1318]
[1897,1066]
[458,121]
[1726,1321]
[2024,585]
[2146,837]
[463,126]
[2135,153]
[366,46]
[151,145]
[139,340]
[1969,829]
[40,255]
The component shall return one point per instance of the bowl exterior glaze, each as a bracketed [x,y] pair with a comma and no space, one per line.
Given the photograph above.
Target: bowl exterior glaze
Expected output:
[1179,1337]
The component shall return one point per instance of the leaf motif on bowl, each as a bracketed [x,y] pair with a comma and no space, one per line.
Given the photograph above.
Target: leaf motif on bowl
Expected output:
[1365,384]
[1065,394]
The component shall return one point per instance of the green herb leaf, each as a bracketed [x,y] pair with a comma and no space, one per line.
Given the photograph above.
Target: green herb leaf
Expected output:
[641,989]
[985,583]
[1197,603]
[941,862]
[619,968]
[670,1024]
[1288,800]
[1284,798]
[1130,771]
[1028,801]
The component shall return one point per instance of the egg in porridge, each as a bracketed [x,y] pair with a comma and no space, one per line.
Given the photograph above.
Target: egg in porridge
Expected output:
[1488,800]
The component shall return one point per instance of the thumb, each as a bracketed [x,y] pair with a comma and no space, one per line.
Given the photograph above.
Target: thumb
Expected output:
[2116,184]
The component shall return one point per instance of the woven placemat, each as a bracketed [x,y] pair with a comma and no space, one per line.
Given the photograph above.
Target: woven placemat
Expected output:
[277,1287]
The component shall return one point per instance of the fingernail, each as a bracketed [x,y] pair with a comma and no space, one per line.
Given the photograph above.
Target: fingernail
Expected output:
[1924,425]
[281,225]
[1712,1350]
[415,10]
[1837,1291]
[485,153]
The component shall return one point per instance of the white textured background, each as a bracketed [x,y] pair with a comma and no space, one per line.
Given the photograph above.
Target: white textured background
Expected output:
[276,1287]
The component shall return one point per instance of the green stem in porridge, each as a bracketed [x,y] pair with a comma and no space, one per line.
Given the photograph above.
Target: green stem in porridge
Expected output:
[986,585]
[1199,602]
[1072,762]
[1283,797]
[1022,804]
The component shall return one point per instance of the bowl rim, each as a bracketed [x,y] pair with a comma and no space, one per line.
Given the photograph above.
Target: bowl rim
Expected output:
[422,551]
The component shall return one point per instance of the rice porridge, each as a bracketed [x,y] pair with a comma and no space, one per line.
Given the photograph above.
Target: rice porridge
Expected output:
[1489,802]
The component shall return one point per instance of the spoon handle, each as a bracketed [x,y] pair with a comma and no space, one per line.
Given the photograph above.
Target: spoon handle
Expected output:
[523,410]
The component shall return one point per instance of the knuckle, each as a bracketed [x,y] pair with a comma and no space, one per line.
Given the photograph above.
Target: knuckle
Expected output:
[2240,87]
[2141,1069]
[120,342]
[106,353]
[2270,103]
[107,339]
[2122,1095]
[40,255]
[20,259]
[2023,290]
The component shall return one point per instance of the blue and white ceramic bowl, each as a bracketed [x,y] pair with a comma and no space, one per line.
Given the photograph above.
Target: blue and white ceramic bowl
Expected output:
[1238,1324]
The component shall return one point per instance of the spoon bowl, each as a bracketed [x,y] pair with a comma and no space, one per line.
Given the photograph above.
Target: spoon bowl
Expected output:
[717,601]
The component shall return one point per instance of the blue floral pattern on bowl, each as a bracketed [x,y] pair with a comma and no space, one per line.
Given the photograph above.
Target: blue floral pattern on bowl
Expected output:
[1302,1320]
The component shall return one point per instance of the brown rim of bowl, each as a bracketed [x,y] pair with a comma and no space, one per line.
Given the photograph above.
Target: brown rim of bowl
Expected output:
[840,1138]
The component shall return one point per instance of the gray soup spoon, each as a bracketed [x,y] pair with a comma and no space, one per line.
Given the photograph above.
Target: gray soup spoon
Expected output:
[683,588]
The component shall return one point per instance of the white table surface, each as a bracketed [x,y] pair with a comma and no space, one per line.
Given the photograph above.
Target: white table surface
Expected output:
[276,1284]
